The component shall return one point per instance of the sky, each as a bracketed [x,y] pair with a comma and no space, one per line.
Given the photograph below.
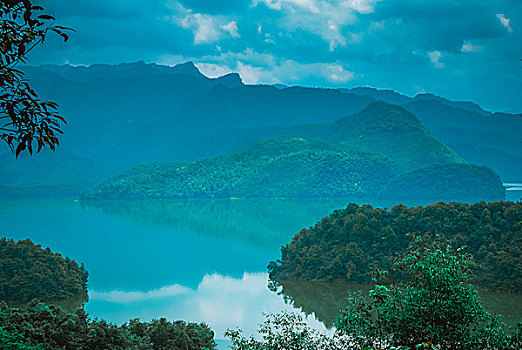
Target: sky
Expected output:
[458,49]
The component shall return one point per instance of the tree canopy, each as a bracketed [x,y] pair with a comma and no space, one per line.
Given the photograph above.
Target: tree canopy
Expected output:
[437,306]
[347,244]
[25,118]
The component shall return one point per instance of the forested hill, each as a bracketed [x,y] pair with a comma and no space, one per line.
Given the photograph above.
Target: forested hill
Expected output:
[27,272]
[120,116]
[367,153]
[288,167]
[348,243]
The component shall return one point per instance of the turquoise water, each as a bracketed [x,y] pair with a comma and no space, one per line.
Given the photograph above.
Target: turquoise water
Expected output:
[197,260]
[191,260]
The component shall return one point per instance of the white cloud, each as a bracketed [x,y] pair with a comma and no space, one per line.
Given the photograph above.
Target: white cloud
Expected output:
[328,19]
[206,28]
[221,301]
[121,297]
[291,72]
[506,22]
[263,68]
[203,26]
[231,28]
[309,5]
[435,59]
[362,6]
[213,70]
[469,47]
[249,73]
[336,73]
[271,4]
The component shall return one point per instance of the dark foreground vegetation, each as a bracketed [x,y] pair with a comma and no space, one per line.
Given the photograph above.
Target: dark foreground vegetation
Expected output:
[41,326]
[29,272]
[350,243]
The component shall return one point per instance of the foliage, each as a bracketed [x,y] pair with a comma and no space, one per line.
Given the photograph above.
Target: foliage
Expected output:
[14,341]
[285,167]
[437,305]
[29,272]
[24,117]
[286,331]
[349,243]
[445,181]
[53,328]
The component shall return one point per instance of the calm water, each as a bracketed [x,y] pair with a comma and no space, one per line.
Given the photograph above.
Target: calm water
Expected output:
[197,260]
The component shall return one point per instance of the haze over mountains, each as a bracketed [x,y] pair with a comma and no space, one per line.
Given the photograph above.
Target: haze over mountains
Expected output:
[125,115]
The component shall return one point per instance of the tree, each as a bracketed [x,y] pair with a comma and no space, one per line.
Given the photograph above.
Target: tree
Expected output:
[437,306]
[24,117]
[287,331]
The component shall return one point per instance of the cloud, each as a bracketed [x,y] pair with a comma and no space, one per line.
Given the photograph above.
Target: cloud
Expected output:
[362,6]
[212,70]
[506,22]
[309,5]
[291,72]
[206,28]
[435,59]
[271,4]
[121,297]
[203,26]
[231,28]
[336,73]
[221,301]
[469,47]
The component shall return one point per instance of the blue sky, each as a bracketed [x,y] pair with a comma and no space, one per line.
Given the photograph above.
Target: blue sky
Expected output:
[463,50]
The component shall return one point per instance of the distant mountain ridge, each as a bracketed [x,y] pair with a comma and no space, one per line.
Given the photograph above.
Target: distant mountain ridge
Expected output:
[342,159]
[123,115]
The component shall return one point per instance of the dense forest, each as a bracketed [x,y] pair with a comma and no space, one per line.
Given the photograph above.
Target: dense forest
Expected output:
[285,167]
[40,326]
[29,272]
[348,244]
[371,153]
[445,182]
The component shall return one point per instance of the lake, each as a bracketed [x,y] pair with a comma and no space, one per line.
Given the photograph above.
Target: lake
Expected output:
[197,260]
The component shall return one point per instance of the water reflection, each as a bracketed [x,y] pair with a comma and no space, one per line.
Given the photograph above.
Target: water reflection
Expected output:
[199,260]
[322,299]
[263,223]
[221,301]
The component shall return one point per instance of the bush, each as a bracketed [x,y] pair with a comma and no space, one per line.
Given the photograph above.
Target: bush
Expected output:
[437,305]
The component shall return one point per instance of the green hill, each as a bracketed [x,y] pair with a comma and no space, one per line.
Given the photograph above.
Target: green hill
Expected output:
[393,132]
[354,156]
[27,272]
[446,182]
[285,167]
[347,244]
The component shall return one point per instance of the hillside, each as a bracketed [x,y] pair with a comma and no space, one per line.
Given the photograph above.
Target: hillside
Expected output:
[288,167]
[355,156]
[347,244]
[29,272]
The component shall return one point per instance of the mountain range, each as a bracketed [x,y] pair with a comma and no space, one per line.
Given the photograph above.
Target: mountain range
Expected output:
[120,116]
